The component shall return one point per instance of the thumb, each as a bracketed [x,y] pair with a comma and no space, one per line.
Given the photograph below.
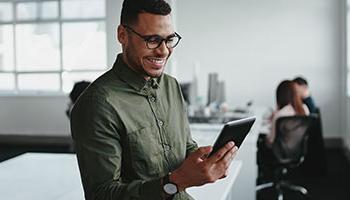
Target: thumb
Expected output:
[201,151]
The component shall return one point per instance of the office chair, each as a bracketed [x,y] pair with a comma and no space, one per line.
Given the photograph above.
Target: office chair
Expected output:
[315,164]
[289,149]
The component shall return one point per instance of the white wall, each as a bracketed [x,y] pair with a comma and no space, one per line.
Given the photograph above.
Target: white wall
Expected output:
[33,115]
[344,78]
[252,44]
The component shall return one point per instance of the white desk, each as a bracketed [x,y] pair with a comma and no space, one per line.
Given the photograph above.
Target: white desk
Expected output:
[46,176]
[39,176]
[221,189]
[205,134]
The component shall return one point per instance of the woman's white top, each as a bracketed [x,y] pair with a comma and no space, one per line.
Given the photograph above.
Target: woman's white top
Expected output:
[287,110]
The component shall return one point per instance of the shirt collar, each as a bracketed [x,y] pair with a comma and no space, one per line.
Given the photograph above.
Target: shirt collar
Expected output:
[131,77]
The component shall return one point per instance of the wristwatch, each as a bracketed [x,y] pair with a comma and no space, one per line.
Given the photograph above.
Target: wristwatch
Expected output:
[169,187]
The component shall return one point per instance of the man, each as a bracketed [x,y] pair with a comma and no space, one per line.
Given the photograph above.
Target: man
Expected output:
[130,128]
[304,92]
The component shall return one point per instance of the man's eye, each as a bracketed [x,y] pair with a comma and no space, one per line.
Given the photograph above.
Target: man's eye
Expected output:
[170,39]
[154,39]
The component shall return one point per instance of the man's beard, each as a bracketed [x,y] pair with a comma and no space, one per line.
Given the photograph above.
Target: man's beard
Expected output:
[138,67]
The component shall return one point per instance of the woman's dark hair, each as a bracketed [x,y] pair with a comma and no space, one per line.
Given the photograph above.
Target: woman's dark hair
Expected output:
[286,94]
[131,9]
[78,88]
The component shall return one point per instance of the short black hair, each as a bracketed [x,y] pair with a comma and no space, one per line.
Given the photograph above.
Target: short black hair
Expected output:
[300,81]
[131,9]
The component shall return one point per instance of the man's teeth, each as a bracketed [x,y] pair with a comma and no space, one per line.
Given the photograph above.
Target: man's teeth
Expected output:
[157,61]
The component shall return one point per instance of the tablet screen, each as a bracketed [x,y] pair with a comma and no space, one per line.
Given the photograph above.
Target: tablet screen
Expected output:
[234,131]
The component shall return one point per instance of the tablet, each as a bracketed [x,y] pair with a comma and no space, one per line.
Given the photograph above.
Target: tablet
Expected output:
[234,131]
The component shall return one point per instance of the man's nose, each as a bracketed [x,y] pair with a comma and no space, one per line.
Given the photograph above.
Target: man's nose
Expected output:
[163,49]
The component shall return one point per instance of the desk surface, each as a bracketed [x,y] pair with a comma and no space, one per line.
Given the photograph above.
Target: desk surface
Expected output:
[221,189]
[47,176]
[39,176]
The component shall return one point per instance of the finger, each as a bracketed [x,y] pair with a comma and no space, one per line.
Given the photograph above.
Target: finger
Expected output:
[234,153]
[202,151]
[235,150]
[221,152]
[230,155]
[225,175]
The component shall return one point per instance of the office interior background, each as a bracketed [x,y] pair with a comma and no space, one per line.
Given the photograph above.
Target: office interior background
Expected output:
[251,44]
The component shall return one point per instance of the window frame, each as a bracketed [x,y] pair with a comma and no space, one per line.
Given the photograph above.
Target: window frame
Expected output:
[60,20]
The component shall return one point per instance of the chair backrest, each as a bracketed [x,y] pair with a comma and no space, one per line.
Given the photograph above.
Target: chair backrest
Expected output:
[315,164]
[290,144]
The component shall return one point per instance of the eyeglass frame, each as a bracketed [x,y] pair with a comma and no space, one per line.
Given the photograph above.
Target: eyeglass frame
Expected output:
[146,38]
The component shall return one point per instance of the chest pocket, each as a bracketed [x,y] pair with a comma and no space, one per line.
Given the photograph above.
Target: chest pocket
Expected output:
[146,151]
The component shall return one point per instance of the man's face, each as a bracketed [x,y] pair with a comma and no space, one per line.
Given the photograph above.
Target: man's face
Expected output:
[147,62]
[303,90]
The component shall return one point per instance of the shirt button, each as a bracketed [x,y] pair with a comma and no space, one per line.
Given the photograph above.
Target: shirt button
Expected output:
[144,90]
[160,122]
[167,148]
[152,99]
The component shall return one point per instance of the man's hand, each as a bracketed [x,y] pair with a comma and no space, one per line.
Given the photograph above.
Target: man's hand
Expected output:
[198,170]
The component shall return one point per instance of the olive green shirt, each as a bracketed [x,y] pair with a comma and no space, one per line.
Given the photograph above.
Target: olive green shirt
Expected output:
[129,133]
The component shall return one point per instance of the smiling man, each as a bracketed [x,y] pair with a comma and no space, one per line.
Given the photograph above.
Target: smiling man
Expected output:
[130,127]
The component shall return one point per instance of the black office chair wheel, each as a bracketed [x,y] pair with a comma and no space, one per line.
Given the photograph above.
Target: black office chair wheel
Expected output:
[281,187]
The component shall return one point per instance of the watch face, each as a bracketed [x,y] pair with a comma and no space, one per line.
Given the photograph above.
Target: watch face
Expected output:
[170,188]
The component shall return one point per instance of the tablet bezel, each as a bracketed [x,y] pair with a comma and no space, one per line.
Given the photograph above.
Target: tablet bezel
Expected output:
[232,129]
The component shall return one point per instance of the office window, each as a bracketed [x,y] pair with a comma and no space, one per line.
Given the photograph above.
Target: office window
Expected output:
[69,78]
[6,48]
[37,47]
[7,81]
[6,12]
[72,9]
[81,39]
[37,10]
[43,81]
[47,45]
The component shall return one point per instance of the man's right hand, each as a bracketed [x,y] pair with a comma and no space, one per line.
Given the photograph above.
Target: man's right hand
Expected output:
[198,170]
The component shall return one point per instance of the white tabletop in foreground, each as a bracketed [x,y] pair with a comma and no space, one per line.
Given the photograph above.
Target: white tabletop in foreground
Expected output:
[39,176]
[221,189]
[47,176]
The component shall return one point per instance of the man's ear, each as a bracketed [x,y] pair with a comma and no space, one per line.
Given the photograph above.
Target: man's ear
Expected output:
[122,35]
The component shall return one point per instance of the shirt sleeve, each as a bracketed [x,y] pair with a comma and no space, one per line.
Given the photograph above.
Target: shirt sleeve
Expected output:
[99,151]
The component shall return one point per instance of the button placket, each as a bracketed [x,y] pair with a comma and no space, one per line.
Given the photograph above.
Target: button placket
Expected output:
[167,147]
[160,122]
[144,91]
[152,99]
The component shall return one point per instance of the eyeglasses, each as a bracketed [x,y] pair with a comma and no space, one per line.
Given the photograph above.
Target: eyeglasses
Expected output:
[154,41]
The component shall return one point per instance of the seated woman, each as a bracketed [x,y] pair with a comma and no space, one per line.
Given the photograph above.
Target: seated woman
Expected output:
[288,104]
